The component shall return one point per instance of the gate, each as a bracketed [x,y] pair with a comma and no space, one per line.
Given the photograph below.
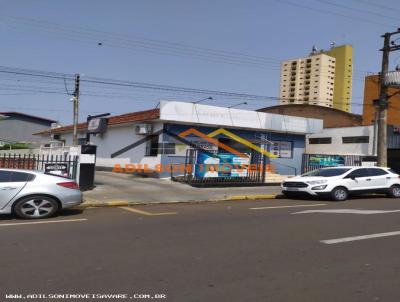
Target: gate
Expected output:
[39,162]
[252,173]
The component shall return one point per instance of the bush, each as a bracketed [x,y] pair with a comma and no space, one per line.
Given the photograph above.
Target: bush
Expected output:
[14,146]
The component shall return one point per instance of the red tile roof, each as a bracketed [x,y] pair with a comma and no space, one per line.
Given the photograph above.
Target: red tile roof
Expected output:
[138,116]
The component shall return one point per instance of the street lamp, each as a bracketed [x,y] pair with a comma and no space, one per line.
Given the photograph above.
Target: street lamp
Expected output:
[243,103]
[209,98]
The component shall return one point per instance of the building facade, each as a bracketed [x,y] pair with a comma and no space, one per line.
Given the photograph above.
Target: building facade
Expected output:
[308,80]
[343,55]
[20,127]
[347,143]
[176,127]
[359,140]
[371,93]
[324,79]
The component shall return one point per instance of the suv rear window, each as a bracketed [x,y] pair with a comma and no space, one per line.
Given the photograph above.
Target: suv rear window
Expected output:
[376,172]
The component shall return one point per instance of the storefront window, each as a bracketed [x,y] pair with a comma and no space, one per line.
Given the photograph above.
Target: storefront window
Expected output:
[152,146]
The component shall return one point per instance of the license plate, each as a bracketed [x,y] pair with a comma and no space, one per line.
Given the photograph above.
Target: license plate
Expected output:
[292,189]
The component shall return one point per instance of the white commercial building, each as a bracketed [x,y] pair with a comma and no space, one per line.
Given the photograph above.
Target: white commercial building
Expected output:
[151,137]
[359,140]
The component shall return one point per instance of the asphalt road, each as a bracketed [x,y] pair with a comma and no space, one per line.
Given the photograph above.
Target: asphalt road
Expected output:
[228,251]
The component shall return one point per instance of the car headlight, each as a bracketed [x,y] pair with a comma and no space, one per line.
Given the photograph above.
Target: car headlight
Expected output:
[316,182]
[319,187]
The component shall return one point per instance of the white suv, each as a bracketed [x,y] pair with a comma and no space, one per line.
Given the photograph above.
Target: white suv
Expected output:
[339,182]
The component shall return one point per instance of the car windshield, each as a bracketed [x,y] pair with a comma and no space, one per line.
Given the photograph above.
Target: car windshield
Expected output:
[327,172]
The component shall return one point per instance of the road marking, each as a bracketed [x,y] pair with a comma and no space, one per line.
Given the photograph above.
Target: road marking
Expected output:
[41,222]
[363,237]
[147,213]
[296,206]
[348,211]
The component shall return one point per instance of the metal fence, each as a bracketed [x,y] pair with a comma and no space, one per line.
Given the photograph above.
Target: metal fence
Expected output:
[254,175]
[313,162]
[39,162]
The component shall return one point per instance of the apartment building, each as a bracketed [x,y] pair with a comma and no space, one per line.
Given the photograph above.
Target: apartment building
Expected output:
[343,76]
[308,80]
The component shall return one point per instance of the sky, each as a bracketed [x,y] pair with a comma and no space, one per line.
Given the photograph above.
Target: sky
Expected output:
[184,43]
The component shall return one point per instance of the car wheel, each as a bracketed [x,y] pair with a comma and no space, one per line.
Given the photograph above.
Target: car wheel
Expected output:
[394,191]
[339,194]
[36,207]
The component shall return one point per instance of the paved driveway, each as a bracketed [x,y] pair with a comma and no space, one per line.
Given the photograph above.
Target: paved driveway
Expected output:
[124,187]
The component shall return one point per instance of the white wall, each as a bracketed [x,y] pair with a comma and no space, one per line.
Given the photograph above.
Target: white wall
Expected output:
[337,146]
[199,114]
[116,138]
[17,130]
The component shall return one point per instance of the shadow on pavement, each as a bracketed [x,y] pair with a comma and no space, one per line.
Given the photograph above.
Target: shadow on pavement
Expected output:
[62,213]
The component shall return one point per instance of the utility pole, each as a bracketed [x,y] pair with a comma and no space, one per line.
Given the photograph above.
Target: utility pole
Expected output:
[76,110]
[382,107]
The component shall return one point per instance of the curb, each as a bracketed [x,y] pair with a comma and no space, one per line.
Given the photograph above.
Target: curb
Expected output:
[110,204]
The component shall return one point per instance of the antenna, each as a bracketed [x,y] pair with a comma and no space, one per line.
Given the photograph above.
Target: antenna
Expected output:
[314,50]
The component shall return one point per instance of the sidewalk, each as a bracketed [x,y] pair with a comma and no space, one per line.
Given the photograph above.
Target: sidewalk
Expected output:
[119,189]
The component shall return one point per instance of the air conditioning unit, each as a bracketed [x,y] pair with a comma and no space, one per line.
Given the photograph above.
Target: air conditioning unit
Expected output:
[143,129]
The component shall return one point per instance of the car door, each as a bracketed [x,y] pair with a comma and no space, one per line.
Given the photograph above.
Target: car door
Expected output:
[358,180]
[379,178]
[11,183]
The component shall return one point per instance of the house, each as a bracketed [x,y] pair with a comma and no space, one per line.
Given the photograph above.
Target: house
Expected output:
[165,135]
[19,127]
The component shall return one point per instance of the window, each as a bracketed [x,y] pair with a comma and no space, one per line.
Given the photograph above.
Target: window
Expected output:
[5,176]
[166,148]
[376,172]
[320,140]
[355,139]
[363,172]
[327,172]
[82,141]
[152,146]
[8,176]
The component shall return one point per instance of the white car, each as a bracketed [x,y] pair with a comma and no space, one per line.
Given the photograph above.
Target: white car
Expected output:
[33,194]
[338,183]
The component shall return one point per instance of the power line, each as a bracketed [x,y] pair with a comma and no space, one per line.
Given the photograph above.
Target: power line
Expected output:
[363,11]
[170,44]
[353,18]
[153,46]
[113,41]
[112,83]
[380,5]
